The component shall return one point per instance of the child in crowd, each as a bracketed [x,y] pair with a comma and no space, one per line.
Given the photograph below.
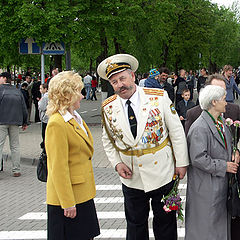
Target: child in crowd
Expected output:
[184,105]
[42,107]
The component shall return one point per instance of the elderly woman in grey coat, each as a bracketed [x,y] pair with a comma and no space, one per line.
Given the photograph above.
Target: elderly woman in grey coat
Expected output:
[209,143]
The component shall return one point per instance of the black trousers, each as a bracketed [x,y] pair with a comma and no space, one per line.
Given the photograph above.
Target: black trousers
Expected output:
[94,93]
[37,119]
[137,206]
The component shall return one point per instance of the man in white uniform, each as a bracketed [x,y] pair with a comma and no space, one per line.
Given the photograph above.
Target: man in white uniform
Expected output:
[145,142]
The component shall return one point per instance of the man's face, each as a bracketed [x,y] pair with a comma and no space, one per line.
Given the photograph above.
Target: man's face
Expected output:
[28,79]
[123,84]
[183,73]
[203,72]
[163,77]
[219,83]
[228,73]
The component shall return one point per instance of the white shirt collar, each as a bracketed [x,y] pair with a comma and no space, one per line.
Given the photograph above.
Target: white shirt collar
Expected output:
[68,116]
[133,98]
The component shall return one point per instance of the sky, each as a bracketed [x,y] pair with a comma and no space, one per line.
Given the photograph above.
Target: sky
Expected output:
[226,3]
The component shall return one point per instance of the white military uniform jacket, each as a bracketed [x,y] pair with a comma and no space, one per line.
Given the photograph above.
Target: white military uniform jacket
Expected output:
[157,120]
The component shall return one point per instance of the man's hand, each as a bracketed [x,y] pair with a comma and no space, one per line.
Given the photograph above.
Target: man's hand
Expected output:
[70,212]
[24,127]
[181,118]
[180,171]
[123,170]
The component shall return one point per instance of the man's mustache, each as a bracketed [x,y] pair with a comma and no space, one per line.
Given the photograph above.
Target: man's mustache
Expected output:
[121,89]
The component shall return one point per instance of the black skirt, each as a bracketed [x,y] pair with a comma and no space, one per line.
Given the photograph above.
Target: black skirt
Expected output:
[84,226]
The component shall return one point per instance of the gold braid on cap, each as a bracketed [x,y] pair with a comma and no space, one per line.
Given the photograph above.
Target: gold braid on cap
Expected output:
[115,67]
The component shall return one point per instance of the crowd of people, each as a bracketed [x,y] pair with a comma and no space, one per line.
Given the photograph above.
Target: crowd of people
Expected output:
[153,133]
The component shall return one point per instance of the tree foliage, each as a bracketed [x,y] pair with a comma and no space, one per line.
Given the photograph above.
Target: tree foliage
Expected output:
[172,33]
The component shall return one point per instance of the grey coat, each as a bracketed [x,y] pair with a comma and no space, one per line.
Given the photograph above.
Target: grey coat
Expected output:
[42,107]
[206,212]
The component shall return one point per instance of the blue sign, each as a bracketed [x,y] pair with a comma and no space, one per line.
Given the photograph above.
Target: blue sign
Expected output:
[28,46]
[53,48]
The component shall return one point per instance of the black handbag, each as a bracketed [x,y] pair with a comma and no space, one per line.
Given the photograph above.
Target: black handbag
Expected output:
[42,167]
[233,202]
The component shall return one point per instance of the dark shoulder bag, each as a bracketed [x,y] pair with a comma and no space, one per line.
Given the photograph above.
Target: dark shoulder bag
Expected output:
[42,167]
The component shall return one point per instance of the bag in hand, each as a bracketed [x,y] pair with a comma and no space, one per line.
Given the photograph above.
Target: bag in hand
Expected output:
[42,168]
[234,195]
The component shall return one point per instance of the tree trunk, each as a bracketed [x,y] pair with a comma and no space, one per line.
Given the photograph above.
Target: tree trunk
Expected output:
[102,56]
[68,59]
[118,47]
[165,55]
[212,67]
[91,66]
[58,62]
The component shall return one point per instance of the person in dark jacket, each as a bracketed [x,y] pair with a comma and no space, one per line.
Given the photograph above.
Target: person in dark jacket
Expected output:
[184,105]
[190,83]
[25,93]
[202,79]
[181,84]
[164,72]
[13,113]
[36,95]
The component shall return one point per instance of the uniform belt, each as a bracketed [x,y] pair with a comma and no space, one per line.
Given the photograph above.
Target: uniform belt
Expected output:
[140,152]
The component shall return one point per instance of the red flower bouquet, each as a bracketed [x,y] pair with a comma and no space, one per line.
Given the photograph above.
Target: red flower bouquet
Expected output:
[173,201]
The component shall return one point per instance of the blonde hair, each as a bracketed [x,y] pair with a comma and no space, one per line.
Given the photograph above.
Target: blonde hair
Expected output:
[64,89]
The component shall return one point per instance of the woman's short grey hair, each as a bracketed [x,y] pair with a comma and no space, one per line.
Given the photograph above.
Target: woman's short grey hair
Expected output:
[210,93]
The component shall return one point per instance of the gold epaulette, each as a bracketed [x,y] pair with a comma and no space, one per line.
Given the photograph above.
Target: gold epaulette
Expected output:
[108,100]
[153,91]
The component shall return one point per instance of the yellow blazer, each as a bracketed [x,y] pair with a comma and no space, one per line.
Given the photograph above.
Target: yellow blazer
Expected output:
[69,153]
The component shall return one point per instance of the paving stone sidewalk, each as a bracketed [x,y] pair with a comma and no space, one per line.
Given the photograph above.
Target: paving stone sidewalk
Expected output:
[30,140]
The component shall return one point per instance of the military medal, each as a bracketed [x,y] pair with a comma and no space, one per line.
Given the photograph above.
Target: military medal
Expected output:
[173,110]
[152,101]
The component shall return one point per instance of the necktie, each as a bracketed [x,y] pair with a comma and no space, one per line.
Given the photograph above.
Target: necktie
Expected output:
[132,119]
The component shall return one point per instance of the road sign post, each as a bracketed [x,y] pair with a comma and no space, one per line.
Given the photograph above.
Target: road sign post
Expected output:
[42,69]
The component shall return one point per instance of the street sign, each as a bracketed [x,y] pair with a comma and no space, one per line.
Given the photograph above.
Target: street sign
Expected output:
[28,46]
[53,48]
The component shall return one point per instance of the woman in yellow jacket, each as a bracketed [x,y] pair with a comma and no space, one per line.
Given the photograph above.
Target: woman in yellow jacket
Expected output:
[69,147]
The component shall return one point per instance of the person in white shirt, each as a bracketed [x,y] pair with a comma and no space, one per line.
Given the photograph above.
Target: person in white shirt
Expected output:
[87,80]
[141,131]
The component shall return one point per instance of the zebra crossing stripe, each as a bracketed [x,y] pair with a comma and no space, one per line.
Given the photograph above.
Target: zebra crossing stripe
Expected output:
[118,199]
[42,234]
[119,187]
